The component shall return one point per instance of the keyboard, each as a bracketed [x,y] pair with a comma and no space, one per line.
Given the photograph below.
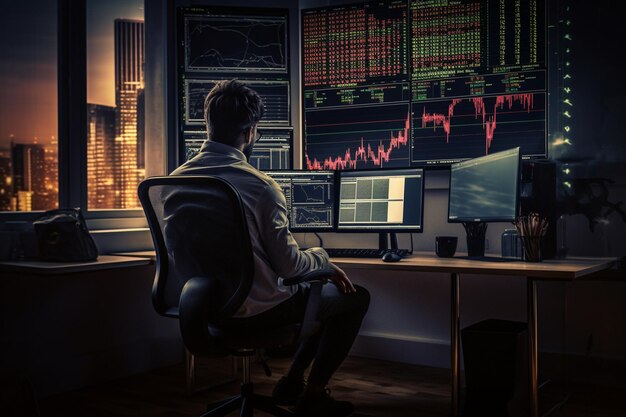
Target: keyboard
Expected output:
[362,253]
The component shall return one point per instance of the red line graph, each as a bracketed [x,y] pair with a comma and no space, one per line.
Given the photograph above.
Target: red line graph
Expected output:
[377,155]
[489,121]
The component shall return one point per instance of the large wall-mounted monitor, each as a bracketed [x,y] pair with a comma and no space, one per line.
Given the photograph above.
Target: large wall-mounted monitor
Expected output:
[272,152]
[355,86]
[275,96]
[381,201]
[404,83]
[227,41]
[310,199]
[486,189]
[250,44]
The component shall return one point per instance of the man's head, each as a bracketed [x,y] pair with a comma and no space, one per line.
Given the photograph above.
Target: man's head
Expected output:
[231,112]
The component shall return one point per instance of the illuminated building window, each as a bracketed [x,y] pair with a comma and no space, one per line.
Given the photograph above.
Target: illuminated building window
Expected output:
[115,103]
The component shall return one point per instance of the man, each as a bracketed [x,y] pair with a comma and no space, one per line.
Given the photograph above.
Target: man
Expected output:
[232,112]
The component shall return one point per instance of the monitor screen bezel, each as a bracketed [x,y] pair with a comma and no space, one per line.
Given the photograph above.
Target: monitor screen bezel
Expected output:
[335,208]
[377,229]
[489,219]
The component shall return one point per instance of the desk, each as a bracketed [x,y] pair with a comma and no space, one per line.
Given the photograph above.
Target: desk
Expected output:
[55,268]
[551,270]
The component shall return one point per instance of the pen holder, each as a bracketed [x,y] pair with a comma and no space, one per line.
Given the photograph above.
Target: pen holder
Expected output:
[532,248]
[476,246]
[475,238]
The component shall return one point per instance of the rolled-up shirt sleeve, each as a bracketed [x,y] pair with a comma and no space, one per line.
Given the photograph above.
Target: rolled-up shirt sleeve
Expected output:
[285,256]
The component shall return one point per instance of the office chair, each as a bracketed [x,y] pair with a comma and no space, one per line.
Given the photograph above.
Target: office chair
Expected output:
[204,271]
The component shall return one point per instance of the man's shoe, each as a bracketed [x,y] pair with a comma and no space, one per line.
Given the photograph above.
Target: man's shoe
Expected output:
[287,391]
[322,405]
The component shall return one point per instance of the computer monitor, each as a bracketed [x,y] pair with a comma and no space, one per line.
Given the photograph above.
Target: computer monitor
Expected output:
[310,199]
[394,84]
[485,189]
[381,201]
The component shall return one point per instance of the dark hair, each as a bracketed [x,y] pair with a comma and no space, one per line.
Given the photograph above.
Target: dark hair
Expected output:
[229,108]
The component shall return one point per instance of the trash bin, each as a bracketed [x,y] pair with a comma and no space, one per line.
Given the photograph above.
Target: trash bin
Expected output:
[495,354]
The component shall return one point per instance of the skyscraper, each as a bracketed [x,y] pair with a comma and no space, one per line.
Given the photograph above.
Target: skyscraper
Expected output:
[51,169]
[6,180]
[100,156]
[29,188]
[129,59]
[141,131]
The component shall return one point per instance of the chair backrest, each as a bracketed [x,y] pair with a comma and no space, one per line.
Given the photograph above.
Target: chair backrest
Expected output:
[198,226]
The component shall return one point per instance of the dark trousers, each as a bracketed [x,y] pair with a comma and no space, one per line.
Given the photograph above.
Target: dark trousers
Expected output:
[340,317]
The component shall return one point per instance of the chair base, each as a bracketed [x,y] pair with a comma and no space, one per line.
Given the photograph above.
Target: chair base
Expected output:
[247,402]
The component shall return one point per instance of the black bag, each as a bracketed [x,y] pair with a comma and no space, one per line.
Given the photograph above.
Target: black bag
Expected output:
[63,236]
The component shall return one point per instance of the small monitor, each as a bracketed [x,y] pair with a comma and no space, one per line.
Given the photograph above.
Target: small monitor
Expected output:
[485,189]
[310,199]
[381,201]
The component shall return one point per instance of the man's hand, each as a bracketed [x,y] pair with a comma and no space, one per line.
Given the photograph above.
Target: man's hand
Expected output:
[341,280]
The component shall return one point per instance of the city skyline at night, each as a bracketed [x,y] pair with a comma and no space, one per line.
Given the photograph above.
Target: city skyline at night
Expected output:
[28,112]
[28,105]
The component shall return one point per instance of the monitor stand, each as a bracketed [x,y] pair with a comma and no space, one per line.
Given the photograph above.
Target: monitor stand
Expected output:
[385,244]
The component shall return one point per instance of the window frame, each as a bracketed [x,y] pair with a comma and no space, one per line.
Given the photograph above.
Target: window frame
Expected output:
[72,125]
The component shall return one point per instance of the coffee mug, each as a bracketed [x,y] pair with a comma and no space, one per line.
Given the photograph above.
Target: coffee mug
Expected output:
[445,246]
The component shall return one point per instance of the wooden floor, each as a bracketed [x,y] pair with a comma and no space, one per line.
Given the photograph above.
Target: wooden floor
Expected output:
[378,389]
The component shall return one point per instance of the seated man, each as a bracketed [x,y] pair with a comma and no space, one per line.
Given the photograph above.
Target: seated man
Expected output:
[232,112]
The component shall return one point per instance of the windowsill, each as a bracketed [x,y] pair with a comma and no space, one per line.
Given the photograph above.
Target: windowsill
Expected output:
[129,230]
[150,254]
[56,268]
[116,240]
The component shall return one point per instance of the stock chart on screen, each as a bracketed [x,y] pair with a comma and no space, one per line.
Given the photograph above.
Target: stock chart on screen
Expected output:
[221,43]
[478,78]
[250,45]
[356,86]
[420,82]
[271,152]
[309,197]
[275,96]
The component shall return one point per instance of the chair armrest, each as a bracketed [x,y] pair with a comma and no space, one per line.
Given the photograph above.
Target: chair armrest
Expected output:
[316,275]
[196,308]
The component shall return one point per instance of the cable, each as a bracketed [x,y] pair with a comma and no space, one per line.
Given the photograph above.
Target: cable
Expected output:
[411,251]
[320,238]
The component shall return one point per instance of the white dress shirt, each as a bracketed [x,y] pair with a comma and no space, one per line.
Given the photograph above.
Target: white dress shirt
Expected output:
[276,252]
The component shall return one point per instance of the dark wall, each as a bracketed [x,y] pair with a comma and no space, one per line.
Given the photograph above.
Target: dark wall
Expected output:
[62,332]
[593,173]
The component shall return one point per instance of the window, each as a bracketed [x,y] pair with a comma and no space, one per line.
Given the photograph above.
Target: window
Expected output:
[28,106]
[115,103]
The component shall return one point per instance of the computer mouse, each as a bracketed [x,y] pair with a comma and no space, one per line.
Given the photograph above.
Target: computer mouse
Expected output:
[391,257]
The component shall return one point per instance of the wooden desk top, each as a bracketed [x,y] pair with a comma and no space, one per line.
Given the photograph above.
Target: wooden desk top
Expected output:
[55,268]
[561,269]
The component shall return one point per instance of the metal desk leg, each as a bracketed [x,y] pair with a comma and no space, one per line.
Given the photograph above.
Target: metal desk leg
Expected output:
[455,377]
[533,346]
